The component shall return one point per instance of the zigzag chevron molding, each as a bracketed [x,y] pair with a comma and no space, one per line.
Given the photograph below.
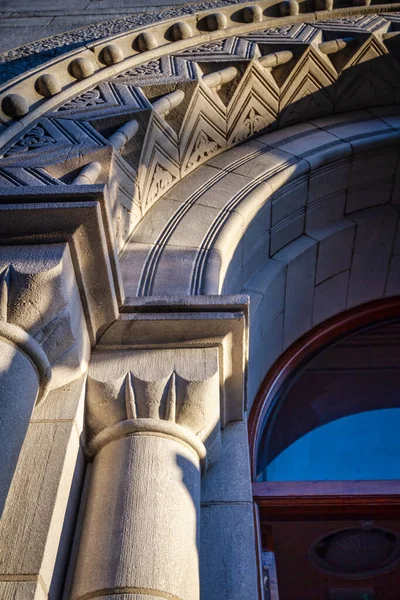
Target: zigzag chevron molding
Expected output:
[133,114]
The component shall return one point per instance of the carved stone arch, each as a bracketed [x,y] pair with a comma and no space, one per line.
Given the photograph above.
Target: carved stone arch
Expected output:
[134,160]
[305,221]
[134,112]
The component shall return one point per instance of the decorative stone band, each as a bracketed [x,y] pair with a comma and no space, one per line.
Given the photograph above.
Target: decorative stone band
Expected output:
[109,53]
[28,346]
[132,129]
[147,426]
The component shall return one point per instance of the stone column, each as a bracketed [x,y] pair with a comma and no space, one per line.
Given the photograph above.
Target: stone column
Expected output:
[25,373]
[140,537]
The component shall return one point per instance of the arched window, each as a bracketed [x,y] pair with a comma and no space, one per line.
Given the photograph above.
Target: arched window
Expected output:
[325,437]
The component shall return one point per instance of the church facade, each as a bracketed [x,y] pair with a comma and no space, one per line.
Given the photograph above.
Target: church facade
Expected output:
[195,206]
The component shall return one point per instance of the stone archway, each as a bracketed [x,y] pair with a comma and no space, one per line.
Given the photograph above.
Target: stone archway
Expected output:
[132,202]
[304,220]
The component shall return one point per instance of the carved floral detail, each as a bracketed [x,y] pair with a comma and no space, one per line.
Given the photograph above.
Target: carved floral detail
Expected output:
[160,182]
[203,148]
[89,98]
[252,124]
[153,67]
[37,137]
[173,397]
[207,48]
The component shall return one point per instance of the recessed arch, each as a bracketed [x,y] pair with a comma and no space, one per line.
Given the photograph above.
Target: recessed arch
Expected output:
[297,357]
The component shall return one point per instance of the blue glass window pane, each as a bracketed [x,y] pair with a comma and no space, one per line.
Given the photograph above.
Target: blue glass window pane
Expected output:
[364,446]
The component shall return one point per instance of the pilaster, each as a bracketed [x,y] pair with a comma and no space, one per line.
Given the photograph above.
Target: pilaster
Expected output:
[58,291]
[157,398]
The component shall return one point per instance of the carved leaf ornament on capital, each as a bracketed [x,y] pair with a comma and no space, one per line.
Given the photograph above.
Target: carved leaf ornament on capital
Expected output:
[156,103]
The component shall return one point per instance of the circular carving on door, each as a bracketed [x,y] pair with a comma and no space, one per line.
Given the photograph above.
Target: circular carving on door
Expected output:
[356,552]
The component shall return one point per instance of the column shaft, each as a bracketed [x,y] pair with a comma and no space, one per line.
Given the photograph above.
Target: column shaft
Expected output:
[140,535]
[24,371]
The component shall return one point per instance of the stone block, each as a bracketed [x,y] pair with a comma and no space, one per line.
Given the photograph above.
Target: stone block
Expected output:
[312,142]
[266,326]
[257,225]
[368,195]
[351,126]
[272,343]
[232,266]
[192,226]
[39,515]
[378,164]
[255,255]
[229,243]
[301,258]
[387,114]
[264,280]
[67,403]
[330,297]
[335,248]
[18,36]
[325,210]
[373,244]
[17,6]
[265,163]
[288,214]
[150,228]
[229,479]
[254,378]
[22,590]
[255,333]
[228,566]
[371,178]
[237,155]
[327,179]
[274,296]
[251,200]
[226,192]
[255,306]
[30,21]
[280,137]
[133,262]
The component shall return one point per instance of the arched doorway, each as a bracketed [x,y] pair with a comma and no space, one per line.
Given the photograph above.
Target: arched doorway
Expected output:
[325,455]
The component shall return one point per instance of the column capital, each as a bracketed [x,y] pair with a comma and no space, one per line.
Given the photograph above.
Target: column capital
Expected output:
[166,392]
[41,310]
[180,371]
[27,345]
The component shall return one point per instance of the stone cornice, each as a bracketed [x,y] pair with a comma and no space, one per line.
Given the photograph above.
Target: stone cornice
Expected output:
[46,218]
